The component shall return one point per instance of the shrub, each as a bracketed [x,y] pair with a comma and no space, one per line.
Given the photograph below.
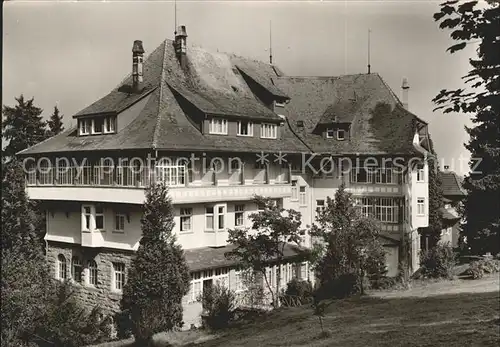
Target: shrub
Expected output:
[478,268]
[299,288]
[438,262]
[342,287]
[218,304]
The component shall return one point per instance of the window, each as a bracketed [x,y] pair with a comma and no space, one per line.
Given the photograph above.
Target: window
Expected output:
[261,207]
[366,205]
[119,222]
[268,131]
[61,267]
[87,212]
[92,267]
[239,215]
[384,175]
[209,218]
[245,128]
[362,174]
[235,164]
[171,175]
[118,276]
[97,125]
[218,126]
[303,271]
[196,286]
[220,217]
[222,277]
[420,173]
[386,210]
[186,215]
[238,278]
[330,133]
[99,217]
[341,134]
[302,196]
[279,104]
[320,207]
[295,193]
[109,125]
[420,206]
[85,125]
[76,269]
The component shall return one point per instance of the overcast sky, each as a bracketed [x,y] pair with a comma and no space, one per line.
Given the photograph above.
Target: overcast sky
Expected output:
[71,53]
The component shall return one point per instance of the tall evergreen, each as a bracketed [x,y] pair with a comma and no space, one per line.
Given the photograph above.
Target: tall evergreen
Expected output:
[55,123]
[22,126]
[471,23]
[159,276]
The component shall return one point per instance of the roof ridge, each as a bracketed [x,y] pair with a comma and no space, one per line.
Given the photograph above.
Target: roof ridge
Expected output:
[327,77]
[162,78]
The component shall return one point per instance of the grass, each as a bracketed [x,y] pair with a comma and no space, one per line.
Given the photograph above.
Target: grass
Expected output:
[467,315]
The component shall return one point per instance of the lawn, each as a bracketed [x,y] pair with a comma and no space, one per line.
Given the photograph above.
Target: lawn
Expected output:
[421,316]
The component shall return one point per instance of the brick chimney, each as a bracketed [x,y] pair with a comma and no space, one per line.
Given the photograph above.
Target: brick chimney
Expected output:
[137,65]
[180,45]
[405,86]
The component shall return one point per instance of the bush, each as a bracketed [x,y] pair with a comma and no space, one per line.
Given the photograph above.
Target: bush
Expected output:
[123,325]
[384,283]
[299,288]
[218,304]
[342,287]
[438,262]
[477,269]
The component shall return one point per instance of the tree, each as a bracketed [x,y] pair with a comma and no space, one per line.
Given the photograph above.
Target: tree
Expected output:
[264,246]
[472,23]
[22,127]
[159,275]
[55,123]
[350,246]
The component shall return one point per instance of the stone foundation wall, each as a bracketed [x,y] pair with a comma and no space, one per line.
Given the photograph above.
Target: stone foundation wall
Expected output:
[103,293]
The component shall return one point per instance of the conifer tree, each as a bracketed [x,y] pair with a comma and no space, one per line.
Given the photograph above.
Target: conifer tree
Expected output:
[472,22]
[159,276]
[22,126]
[55,123]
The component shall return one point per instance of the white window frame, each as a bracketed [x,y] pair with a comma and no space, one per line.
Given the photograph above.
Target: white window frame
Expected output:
[303,271]
[210,214]
[186,215]
[239,285]
[268,131]
[366,206]
[196,286]
[239,213]
[171,175]
[249,130]
[279,104]
[330,133]
[218,126]
[76,263]
[93,129]
[84,126]
[302,196]
[86,214]
[420,174]
[62,267]
[119,222]
[386,210]
[369,170]
[221,277]
[100,214]
[92,273]
[221,215]
[340,131]
[295,191]
[320,206]
[109,125]
[420,206]
[118,276]
[388,178]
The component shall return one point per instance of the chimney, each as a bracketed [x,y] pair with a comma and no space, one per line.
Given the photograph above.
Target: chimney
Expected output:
[180,45]
[137,62]
[405,86]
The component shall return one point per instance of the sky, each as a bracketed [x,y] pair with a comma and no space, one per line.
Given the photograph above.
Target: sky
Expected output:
[70,54]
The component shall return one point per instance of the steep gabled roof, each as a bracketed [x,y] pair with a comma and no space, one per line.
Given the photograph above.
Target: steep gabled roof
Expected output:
[450,184]
[217,84]
[375,129]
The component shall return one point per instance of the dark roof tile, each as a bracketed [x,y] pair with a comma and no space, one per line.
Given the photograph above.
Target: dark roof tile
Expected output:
[450,185]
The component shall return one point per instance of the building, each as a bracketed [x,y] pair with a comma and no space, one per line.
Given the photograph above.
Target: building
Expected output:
[453,194]
[218,129]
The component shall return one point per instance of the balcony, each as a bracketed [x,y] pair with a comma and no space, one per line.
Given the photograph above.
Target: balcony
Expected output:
[126,186]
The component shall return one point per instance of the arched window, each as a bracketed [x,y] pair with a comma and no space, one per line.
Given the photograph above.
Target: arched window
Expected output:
[76,269]
[61,267]
[92,266]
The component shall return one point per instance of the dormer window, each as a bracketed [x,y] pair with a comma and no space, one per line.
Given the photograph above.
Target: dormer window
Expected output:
[85,125]
[268,131]
[218,126]
[279,104]
[330,133]
[245,128]
[97,126]
[341,134]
